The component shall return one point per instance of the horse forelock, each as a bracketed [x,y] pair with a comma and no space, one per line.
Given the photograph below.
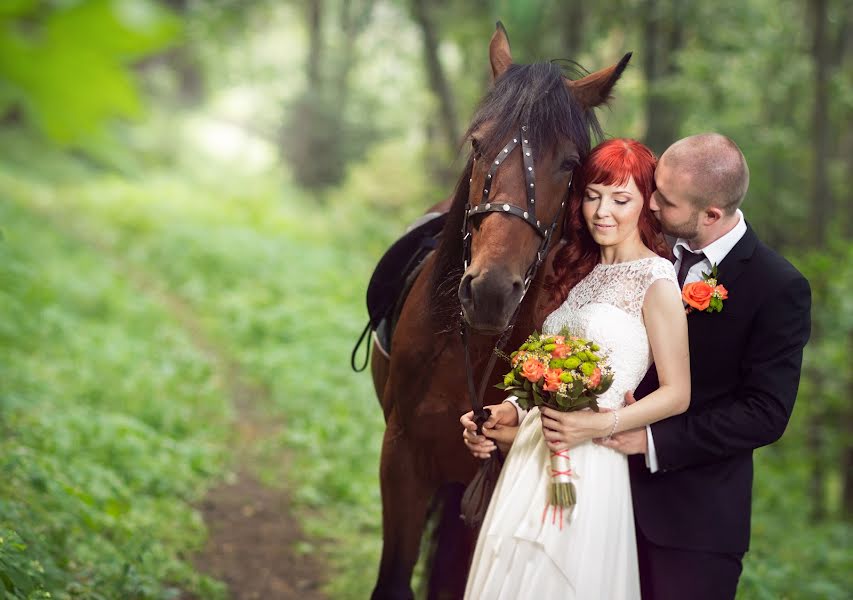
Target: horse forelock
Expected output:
[533,95]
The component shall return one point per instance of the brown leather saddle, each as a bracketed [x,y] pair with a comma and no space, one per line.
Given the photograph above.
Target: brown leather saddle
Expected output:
[392,280]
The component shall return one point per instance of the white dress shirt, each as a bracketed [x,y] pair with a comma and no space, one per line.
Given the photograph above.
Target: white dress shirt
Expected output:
[714,253]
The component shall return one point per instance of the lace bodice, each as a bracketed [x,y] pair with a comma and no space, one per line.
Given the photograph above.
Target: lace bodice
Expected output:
[606,307]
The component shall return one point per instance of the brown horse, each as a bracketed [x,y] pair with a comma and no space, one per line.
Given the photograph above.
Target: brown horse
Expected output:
[422,388]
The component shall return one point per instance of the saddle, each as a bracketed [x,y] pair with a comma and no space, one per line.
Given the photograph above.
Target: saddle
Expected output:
[392,279]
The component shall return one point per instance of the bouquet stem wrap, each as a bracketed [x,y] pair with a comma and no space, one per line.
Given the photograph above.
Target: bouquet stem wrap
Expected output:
[562,495]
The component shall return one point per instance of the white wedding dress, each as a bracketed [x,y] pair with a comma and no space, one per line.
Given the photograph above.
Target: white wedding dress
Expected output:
[594,555]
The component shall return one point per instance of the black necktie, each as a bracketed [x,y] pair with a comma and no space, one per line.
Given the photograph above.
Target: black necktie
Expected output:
[688,259]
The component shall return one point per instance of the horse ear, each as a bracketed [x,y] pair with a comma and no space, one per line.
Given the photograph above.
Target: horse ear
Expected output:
[499,54]
[594,89]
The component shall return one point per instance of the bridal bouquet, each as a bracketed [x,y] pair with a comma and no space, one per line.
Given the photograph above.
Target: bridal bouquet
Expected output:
[566,373]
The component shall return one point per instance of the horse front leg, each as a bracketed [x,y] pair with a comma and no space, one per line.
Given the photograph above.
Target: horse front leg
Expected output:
[406,495]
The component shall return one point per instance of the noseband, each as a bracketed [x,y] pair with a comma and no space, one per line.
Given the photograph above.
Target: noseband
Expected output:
[529,217]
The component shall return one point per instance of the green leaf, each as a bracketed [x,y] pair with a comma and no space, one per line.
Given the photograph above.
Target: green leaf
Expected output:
[75,74]
[16,8]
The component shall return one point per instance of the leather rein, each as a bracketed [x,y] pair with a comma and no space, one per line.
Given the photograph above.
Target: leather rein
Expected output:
[529,217]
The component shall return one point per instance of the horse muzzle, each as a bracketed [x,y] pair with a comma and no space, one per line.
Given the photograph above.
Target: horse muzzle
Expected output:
[489,299]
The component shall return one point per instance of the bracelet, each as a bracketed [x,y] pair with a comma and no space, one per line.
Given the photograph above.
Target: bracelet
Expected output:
[615,423]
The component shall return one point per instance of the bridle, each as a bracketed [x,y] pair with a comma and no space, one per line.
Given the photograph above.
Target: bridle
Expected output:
[529,217]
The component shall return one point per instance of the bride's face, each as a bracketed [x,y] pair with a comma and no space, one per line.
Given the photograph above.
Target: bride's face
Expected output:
[612,212]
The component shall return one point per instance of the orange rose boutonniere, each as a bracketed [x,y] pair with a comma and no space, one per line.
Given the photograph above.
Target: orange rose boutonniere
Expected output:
[706,294]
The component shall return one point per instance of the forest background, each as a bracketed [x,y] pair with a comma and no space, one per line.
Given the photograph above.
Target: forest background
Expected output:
[193,195]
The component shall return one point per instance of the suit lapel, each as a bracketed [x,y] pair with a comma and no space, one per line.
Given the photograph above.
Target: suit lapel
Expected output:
[738,257]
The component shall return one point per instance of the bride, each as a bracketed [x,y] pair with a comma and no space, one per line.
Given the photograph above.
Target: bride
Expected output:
[611,284]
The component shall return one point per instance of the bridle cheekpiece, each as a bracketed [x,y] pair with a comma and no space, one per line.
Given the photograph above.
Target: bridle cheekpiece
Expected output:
[529,217]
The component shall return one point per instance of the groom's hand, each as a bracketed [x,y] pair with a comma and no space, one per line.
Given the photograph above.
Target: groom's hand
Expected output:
[634,441]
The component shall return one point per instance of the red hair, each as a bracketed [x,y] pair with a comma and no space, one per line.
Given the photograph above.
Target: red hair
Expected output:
[612,162]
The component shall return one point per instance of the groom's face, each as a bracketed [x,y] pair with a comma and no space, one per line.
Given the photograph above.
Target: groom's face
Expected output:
[672,204]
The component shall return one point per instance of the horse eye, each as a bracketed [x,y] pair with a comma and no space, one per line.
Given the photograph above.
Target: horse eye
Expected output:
[569,164]
[475,146]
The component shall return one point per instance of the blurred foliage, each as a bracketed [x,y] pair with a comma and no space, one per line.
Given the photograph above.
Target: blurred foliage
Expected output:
[264,303]
[65,65]
[284,146]
[110,424]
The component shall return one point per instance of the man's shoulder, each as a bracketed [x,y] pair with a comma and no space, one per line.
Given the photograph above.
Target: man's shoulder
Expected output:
[776,269]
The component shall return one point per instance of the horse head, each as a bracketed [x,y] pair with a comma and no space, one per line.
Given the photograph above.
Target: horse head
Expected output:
[530,132]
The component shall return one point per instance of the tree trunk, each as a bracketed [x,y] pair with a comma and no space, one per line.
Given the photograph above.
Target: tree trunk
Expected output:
[315,44]
[821,209]
[437,78]
[822,201]
[353,20]
[663,33]
[847,450]
[573,26]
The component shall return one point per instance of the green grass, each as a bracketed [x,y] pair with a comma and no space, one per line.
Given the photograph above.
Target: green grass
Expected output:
[111,423]
[282,289]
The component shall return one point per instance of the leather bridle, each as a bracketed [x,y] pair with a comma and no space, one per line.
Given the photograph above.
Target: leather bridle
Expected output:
[529,217]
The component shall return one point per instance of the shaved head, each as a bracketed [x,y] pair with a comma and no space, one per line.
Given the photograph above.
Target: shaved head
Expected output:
[714,168]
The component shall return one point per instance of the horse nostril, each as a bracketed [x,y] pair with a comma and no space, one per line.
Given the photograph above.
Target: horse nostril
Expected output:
[517,287]
[465,294]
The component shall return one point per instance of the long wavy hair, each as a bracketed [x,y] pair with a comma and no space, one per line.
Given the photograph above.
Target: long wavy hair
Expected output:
[612,162]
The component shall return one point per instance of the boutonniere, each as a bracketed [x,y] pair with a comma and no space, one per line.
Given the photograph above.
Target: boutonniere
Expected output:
[706,294]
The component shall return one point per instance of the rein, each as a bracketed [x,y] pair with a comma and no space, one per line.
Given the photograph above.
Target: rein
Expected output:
[529,217]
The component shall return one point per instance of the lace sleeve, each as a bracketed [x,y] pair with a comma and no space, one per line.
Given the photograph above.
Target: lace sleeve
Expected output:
[662,269]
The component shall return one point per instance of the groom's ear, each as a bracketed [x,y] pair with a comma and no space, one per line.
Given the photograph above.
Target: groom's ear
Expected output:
[712,215]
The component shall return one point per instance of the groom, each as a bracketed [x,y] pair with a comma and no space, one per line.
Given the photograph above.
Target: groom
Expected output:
[692,493]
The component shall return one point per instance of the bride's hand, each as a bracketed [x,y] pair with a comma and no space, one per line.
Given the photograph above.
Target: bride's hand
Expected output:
[564,430]
[499,430]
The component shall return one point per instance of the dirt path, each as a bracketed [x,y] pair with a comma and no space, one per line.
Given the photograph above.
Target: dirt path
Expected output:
[254,535]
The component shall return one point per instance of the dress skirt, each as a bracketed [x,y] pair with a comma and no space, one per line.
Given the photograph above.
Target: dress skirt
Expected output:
[520,554]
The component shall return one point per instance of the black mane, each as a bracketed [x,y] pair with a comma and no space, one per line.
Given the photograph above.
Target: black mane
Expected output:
[533,95]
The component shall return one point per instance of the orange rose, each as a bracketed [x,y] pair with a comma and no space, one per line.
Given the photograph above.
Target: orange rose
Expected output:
[561,351]
[532,370]
[559,339]
[697,294]
[595,378]
[552,380]
[721,292]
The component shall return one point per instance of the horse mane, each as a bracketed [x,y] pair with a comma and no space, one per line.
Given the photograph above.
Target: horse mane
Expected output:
[533,95]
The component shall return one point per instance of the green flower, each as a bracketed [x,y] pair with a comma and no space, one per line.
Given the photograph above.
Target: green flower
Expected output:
[571,362]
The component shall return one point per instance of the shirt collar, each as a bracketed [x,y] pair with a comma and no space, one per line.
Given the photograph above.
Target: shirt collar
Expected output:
[717,250]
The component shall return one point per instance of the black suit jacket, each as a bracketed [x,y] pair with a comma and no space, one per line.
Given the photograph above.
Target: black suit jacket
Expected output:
[745,368]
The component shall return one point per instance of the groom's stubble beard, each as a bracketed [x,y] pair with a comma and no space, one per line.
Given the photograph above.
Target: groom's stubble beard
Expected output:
[688,230]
